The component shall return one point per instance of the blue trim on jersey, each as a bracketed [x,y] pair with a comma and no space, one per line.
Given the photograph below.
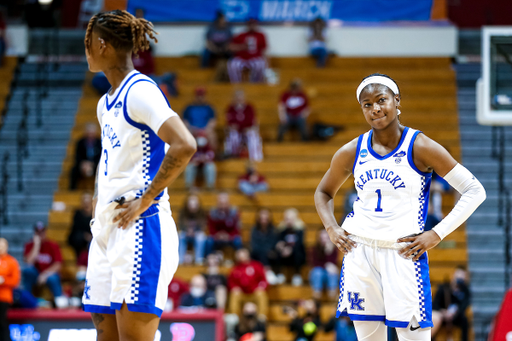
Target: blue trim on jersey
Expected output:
[425,301]
[397,324]
[140,126]
[358,150]
[109,106]
[409,156]
[342,288]
[156,156]
[138,308]
[426,199]
[100,309]
[357,317]
[380,157]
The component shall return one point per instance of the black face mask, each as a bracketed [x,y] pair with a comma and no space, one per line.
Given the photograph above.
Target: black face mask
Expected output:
[250,316]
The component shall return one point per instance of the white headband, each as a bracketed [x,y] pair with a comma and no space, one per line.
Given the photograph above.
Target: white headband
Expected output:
[377,80]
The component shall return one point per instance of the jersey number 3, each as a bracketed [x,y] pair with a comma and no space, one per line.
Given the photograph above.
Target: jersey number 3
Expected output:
[379,194]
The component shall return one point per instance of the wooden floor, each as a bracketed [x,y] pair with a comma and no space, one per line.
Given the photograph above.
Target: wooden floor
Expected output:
[292,168]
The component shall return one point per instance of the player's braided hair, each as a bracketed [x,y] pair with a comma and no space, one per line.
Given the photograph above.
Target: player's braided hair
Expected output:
[122,30]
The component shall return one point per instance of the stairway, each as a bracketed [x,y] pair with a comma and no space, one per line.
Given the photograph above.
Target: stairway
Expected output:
[485,238]
[50,117]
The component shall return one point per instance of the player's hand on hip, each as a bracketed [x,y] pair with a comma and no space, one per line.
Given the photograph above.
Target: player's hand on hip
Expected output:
[132,210]
[418,245]
[340,238]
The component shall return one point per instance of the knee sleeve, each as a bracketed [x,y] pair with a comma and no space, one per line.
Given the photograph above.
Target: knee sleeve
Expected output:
[371,330]
[406,334]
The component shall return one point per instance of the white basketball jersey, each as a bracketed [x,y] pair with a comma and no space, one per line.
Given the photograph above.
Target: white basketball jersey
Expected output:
[393,194]
[132,152]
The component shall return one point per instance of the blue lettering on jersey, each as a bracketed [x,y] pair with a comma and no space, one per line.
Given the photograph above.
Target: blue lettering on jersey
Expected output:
[108,132]
[384,174]
[355,301]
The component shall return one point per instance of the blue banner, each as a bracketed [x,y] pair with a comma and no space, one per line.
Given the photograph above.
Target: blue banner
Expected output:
[283,10]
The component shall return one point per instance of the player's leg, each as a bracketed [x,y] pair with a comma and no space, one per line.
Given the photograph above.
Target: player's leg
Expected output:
[437,319]
[134,326]
[420,334]
[371,330]
[106,326]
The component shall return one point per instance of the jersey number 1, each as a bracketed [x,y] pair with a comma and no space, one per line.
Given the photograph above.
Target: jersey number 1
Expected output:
[378,209]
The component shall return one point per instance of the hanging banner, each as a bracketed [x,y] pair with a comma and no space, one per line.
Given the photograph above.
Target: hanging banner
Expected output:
[283,10]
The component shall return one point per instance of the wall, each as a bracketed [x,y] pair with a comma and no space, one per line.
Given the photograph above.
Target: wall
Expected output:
[477,13]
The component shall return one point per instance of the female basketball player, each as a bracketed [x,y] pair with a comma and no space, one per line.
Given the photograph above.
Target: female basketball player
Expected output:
[384,278]
[134,250]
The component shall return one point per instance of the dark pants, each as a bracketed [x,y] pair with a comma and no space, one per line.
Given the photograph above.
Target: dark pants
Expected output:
[4,324]
[296,260]
[291,122]
[320,53]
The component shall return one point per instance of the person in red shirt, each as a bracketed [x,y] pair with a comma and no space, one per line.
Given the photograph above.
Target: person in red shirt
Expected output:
[203,158]
[223,225]
[252,182]
[242,128]
[247,282]
[9,279]
[293,110]
[249,49]
[176,289]
[44,261]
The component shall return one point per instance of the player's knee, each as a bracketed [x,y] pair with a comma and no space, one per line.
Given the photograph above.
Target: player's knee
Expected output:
[420,334]
[370,330]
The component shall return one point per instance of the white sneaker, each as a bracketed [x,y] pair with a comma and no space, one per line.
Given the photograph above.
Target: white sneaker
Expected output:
[271,277]
[296,280]
[61,302]
[281,279]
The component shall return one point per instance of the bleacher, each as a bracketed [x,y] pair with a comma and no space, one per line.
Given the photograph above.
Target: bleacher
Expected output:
[7,70]
[294,169]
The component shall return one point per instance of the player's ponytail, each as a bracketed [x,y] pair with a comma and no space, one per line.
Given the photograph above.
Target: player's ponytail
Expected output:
[122,30]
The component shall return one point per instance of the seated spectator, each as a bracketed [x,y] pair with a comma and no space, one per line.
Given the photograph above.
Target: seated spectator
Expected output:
[293,110]
[199,296]
[263,243]
[218,38]
[204,159]
[249,49]
[177,288]
[343,327]
[3,47]
[432,219]
[324,272]
[439,187]
[247,282]
[306,327]
[290,245]
[242,129]
[77,290]
[223,225]
[192,226]
[44,261]
[9,279]
[87,156]
[450,304]
[215,281]
[252,182]
[199,117]
[316,40]
[251,327]
[80,234]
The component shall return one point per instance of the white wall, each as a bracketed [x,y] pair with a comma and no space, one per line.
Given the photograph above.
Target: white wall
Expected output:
[345,40]
[17,40]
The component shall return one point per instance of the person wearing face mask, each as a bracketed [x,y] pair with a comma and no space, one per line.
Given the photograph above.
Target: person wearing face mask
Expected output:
[192,224]
[199,296]
[252,182]
[223,225]
[250,327]
[204,159]
[306,327]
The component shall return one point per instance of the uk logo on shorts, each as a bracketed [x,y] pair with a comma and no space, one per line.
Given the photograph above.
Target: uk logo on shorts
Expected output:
[363,153]
[355,301]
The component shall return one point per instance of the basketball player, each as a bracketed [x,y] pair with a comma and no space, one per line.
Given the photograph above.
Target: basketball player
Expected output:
[134,250]
[384,278]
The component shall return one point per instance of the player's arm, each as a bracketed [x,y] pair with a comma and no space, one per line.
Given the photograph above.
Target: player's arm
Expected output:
[428,156]
[339,171]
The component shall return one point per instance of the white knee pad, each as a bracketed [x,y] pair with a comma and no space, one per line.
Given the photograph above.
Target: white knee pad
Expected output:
[371,330]
[420,334]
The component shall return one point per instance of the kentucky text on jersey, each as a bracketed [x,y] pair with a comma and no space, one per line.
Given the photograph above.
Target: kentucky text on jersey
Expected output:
[109,133]
[384,174]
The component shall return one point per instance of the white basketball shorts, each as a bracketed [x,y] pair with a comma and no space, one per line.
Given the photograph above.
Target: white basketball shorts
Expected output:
[377,284]
[134,265]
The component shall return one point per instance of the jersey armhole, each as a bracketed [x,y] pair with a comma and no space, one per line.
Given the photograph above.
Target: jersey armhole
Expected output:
[358,149]
[410,158]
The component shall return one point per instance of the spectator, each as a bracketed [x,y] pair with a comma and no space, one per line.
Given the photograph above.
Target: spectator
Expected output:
[223,225]
[290,245]
[450,304]
[343,327]
[199,296]
[44,261]
[199,117]
[204,159]
[247,283]
[251,326]
[293,110]
[432,219]
[177,288]
[350,198]
[325,272]
[80,234]
[252,182]
[87,156]
[249,49]
[215,281]
[242,129]
[9,279]
[263,244]
[305,328]
[3,46]
[439,187]
[192,226]
[218,38]
[316,40]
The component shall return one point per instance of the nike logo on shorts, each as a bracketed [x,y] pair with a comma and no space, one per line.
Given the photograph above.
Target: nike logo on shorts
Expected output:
[413,329]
